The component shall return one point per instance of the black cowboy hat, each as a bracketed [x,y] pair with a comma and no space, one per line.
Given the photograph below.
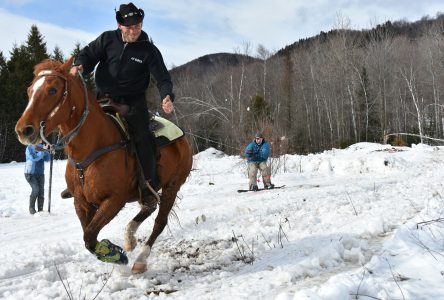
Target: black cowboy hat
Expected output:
[129,14]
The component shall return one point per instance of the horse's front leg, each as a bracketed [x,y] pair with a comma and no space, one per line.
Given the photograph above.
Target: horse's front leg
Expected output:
[85,211]
[166,204]
[104,250]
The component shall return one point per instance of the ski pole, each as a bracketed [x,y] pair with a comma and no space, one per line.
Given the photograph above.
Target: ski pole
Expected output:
[50,180]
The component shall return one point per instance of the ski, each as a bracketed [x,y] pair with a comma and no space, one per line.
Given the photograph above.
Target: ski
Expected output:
[262,189]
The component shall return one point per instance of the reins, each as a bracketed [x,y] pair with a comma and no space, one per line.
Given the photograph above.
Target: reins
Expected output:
[61,142]
[65,140]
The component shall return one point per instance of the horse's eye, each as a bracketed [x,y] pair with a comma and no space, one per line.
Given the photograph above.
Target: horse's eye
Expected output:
[52,91]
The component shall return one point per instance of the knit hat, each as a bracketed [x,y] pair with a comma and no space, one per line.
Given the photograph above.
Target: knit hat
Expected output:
[129,14]
[259,135]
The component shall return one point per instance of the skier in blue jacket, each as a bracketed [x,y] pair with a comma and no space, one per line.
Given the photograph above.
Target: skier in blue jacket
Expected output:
[35,174]
[257,153]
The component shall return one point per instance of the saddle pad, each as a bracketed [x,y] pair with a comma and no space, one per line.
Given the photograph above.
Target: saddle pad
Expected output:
[165,131]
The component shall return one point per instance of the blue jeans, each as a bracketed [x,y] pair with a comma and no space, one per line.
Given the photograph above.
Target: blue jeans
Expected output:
[37,183]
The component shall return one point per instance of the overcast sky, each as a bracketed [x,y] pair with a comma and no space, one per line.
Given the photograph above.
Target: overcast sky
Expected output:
[187,29]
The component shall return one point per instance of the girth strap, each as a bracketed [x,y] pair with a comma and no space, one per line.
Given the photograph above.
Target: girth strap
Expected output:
[81,166]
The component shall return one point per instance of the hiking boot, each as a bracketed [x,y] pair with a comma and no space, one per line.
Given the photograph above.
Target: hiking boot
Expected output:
[149,200]
[40,202]
[32,210]
[254,188]
[269,186]
[65,194]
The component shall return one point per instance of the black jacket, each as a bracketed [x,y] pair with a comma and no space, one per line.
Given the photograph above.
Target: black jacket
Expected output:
[124,68]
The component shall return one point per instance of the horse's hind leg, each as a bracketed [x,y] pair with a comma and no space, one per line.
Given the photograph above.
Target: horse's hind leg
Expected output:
[166,203]
[131,228]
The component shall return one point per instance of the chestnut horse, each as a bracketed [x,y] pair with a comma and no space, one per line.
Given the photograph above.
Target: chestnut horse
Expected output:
[108,180]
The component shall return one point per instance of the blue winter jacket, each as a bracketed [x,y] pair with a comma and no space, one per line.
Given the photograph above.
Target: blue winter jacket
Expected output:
[35,160]
[257,153]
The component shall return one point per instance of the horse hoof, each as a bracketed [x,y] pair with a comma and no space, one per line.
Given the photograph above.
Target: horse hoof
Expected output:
[139,268]
[110,253]
[130,246]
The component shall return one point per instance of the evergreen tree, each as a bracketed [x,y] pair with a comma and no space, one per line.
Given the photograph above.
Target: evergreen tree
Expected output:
[76,51]
[21,67]
[260,109]
[3,107]
[89,80]
[20,75]
[259,114]
[58,54]
[3,79]
[36,46]
[2,63]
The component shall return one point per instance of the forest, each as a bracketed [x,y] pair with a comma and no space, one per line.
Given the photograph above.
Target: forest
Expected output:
[328,91]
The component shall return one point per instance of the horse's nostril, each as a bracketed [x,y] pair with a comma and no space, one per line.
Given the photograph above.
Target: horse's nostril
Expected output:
[28,131]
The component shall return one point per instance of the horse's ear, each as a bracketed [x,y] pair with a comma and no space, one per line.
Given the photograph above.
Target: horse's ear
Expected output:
[67,65]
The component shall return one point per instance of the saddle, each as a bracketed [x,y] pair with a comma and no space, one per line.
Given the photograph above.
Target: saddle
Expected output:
[165,131]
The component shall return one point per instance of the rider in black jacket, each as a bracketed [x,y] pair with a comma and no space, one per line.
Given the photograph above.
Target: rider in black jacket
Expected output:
[126,58]
[124,67]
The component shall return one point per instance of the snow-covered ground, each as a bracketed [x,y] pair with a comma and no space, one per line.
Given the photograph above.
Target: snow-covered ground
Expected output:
[348,222]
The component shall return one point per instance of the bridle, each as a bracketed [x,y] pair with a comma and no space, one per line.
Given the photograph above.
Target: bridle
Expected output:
[62,142]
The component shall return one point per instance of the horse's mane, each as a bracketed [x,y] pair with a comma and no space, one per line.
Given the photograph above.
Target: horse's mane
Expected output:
[47,64]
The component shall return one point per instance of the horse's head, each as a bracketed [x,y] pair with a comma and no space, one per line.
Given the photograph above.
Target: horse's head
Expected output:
[47,97]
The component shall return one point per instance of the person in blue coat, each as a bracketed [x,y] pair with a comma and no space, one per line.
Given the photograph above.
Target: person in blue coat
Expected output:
[35,174]
[257,153]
